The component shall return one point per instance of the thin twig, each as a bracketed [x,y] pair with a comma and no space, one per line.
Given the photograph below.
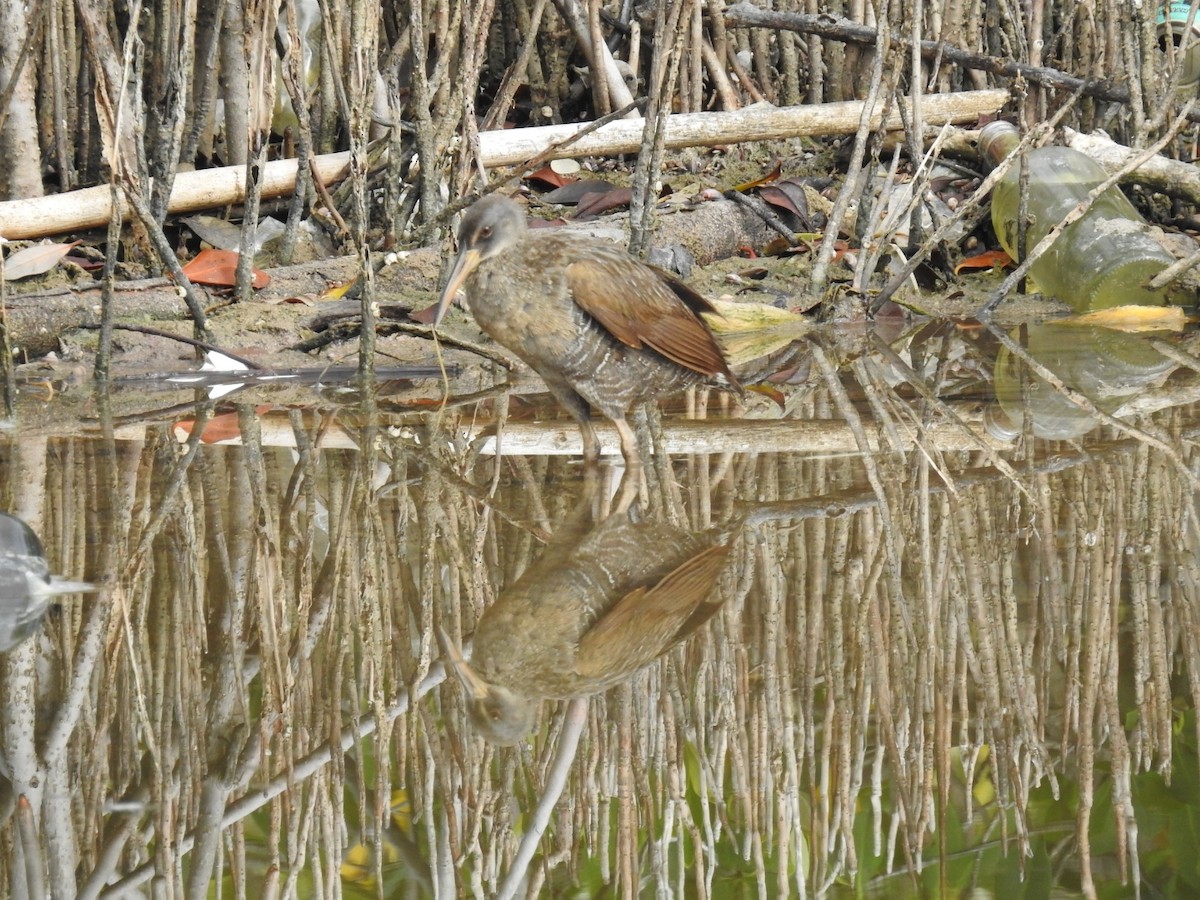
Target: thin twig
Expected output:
[183,339]
[556,781]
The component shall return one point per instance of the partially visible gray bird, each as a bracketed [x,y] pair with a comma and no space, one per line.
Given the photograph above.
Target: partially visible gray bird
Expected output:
[26,585]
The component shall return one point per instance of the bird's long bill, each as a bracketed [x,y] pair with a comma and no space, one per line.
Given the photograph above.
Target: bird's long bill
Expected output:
[63,586]
[471,682]
[463,266]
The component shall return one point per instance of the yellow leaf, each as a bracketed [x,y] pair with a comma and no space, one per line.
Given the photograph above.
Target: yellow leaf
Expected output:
[340,291]
[736,317]
[748,331]
[1134,318]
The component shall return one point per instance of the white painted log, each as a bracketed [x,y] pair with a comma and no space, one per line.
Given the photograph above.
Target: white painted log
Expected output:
[707,129]
[561,437]
[214,188]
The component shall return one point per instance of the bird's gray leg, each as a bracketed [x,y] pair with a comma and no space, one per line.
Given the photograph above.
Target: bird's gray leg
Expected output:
[591,443]
[581,412]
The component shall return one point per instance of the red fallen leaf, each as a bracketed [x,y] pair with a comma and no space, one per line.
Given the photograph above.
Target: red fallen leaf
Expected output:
[790,197]
[759,182]
[747,252]
[783,376]
[989,259]
[219,269]
[592,205]
[573,191]
[841,249]
[424,316]
[780,247]
[88,265]
[221,427]
[776,247]
[770,393]
[547,178]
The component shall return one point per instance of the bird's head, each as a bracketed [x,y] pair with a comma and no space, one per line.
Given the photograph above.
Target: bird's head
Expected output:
[501,716]
[488,228]
[498,714]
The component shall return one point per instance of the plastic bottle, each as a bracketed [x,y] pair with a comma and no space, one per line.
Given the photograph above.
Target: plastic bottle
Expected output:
[1173,26]
[1106,257]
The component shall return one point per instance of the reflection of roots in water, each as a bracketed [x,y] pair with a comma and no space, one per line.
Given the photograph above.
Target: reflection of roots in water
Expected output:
[877,629]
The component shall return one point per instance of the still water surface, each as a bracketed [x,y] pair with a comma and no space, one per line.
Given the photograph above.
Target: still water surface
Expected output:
[941,660]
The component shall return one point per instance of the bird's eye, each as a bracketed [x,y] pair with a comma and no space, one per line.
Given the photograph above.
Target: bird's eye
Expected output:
[485,232]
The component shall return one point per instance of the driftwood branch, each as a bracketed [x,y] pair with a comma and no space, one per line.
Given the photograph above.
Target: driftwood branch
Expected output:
[708,129]
[213,188]
[204,189]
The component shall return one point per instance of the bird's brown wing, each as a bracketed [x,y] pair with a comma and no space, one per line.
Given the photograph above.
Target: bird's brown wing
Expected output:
[642,306]
[647,622]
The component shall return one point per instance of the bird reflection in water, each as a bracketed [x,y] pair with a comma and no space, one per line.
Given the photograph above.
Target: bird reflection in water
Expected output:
[603,330]
[597,607]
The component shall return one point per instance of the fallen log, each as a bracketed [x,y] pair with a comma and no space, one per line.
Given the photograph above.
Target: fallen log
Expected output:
[37,320]
[1167,176]
[213,188]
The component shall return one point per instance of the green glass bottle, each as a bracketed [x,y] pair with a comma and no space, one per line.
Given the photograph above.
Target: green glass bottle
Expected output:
[1104,259]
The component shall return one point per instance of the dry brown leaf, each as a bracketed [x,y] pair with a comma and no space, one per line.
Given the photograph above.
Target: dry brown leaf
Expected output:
[36,260]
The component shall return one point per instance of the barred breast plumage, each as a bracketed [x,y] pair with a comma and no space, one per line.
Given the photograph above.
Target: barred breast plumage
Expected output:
[604,331]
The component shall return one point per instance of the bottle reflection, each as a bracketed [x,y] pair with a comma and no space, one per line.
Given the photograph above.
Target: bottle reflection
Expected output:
[599,605]
[26,584]
[1108,367]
